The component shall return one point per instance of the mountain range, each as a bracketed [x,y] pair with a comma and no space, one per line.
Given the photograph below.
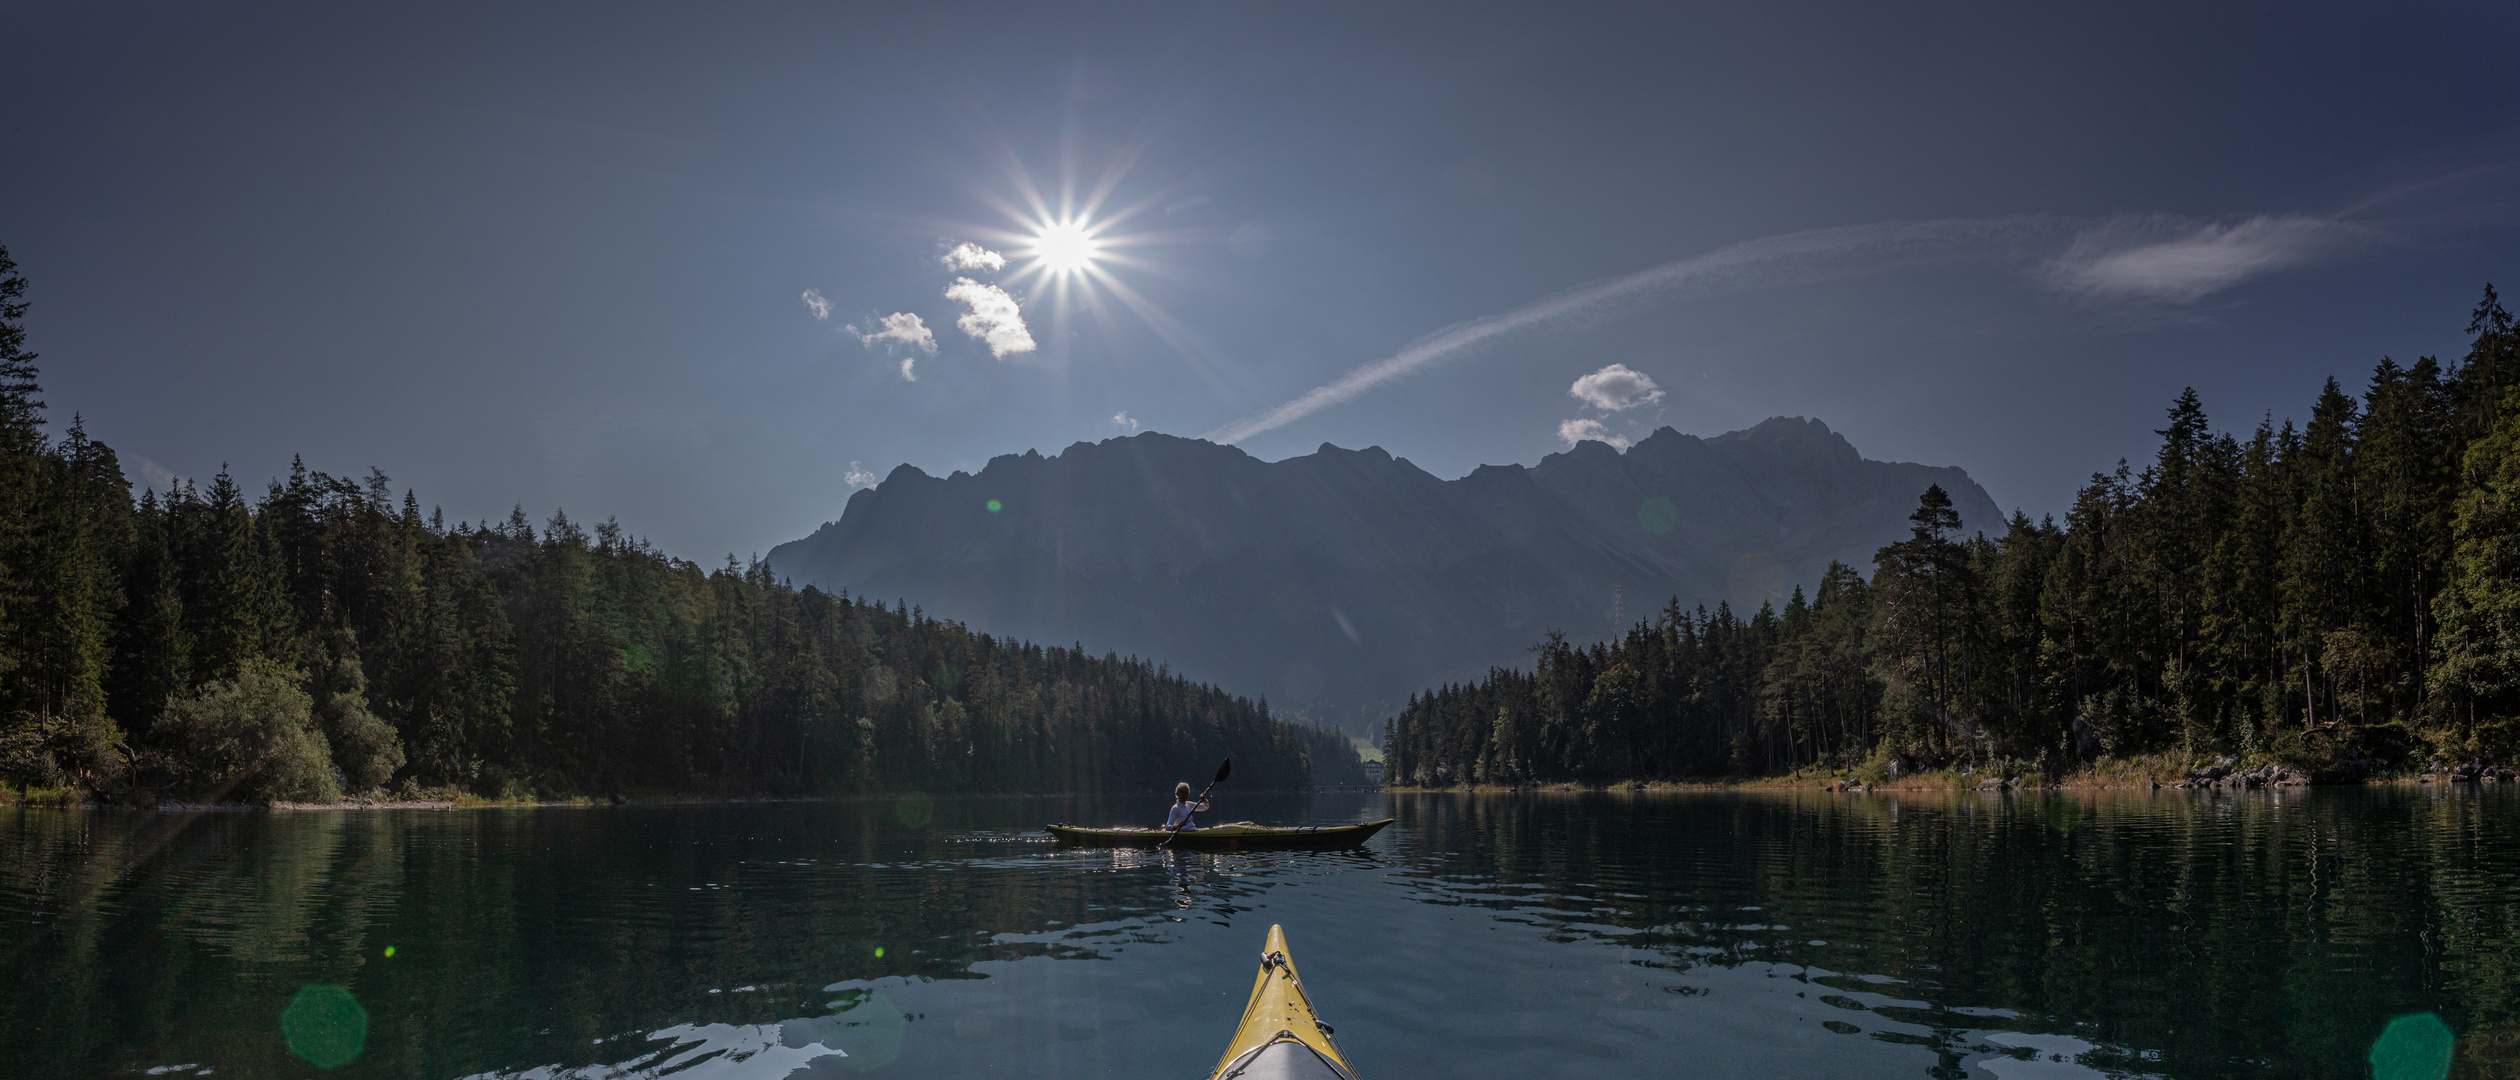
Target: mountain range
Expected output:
[1337,583]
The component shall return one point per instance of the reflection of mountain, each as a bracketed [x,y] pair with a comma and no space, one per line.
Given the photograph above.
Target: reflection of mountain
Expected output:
[1341,581]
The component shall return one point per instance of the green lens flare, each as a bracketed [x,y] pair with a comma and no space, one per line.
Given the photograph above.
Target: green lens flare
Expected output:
[325,1025]
[389,952]
[879,952]
[2413,1048]
[915,810]
[2064,814]
[995,506]
[1657,515]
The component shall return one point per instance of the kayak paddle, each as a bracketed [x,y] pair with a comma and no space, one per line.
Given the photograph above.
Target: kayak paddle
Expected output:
[1222,771]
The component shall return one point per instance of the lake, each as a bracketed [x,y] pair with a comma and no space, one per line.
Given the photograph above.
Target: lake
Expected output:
[1797,934]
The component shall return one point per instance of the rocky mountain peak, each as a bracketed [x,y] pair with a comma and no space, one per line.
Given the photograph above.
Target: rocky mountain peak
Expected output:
[1337,582]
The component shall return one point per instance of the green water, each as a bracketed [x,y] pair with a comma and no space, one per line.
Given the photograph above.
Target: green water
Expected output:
[1804,935]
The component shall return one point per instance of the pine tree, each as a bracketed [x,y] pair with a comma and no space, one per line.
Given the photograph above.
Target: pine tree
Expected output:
[2326,551]
[2405,465]
[22,449]
[1926,632]
[2476,667]
[236,601]
[2490,371]
[152,648]
[2242,594]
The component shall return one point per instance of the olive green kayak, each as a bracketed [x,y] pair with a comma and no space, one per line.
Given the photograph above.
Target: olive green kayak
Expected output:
[1280,1037]
[1239,836]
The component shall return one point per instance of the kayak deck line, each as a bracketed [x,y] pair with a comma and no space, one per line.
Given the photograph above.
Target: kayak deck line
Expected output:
[1280,1036]
[1238,836]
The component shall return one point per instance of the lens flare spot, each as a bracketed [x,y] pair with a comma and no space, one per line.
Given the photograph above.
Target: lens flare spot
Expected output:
[2413,1048]
[389,952]
[1658,515]
[879,952]
[995,506]
[325,1025]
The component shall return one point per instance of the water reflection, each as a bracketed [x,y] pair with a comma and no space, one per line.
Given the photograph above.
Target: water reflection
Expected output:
[2012,937]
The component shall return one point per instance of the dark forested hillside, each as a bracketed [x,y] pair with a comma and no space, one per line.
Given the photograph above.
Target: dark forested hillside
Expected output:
[329,638]
[2344,592]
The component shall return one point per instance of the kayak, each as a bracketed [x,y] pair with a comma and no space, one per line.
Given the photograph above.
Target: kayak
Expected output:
[1280,1037]
[1239,836]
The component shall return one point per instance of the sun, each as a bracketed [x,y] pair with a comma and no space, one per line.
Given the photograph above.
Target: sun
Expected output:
[1065,247]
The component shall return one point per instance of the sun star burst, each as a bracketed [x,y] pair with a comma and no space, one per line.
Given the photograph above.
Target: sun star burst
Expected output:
[1065,247]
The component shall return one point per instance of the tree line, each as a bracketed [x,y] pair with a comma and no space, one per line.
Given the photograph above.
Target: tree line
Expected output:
[330,639]
[2344,592]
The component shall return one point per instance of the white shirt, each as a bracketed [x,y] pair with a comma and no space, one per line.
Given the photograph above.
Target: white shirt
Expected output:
[1180,818]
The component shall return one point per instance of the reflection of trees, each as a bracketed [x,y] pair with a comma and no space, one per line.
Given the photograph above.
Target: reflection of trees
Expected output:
[2214,930]
[525,935]
[153,907]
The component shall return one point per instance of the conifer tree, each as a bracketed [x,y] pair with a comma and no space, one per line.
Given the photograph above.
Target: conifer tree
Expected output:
[152,648]
[2475,675]
[1926,632]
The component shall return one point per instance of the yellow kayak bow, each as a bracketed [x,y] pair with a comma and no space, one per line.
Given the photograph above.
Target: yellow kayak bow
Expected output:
[1280,1037]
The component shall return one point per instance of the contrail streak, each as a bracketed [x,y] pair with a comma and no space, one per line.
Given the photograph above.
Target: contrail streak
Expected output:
[1792,258]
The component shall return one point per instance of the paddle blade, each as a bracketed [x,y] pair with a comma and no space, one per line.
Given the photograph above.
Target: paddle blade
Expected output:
[1223,769]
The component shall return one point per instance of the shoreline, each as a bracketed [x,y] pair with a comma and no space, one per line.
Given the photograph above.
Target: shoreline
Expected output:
[16,800]
[1909,787]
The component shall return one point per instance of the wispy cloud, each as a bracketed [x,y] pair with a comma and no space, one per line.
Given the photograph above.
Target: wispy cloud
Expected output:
[1589,430]
[1615,388]
[971,256]
[859,476]
[898,328]
[157,477]
[994,318]
[908,375]
[1123,419]
[1793,258]
[2140,260]
[2180,261]
[815,303]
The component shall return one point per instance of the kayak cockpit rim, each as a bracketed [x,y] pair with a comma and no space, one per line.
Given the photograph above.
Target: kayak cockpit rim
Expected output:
[1307,1064]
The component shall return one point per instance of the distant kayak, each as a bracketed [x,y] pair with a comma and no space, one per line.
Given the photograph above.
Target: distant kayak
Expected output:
[1239,836]
[1280,1037]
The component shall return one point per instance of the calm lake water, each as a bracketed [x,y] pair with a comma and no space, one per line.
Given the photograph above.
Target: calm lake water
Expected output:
[1714,934]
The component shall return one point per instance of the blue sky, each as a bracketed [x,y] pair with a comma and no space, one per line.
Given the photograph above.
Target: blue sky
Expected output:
[572,257]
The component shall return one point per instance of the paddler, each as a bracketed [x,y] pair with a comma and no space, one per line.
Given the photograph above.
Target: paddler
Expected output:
[1179,820]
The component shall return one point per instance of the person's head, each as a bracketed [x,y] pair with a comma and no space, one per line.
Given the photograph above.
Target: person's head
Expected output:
[1181,791]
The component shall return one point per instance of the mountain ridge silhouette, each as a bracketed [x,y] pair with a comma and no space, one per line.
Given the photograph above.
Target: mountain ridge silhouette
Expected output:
[1339,582]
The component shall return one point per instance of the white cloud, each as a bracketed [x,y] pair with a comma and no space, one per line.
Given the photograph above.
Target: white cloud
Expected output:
[971,256]
[815,303]
[1123,419]
[859,476]
[994,317]
[1589,430]
[908,375]
[899,328]
[1616,387]
[2163,259]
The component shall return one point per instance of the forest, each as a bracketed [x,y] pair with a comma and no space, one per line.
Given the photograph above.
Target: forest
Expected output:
[2343,595]
[328,640]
